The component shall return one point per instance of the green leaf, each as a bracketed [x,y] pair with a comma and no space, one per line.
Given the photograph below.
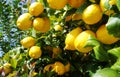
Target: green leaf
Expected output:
[6,57]
[115,52]
[92,41]
[82,7]
[118,4]
[100,53]
[13,62]
[113,25]
[116,65]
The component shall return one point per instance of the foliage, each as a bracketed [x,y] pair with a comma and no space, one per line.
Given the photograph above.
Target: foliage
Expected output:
[81,65]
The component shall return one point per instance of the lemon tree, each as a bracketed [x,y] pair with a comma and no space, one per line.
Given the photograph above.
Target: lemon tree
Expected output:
[60,38]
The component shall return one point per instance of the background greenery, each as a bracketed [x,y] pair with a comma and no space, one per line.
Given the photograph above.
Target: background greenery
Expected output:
[10,35]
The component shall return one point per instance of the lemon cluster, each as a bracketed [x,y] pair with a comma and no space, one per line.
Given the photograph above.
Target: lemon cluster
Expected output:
[77,38]
[92,14]
[57,67]
[26,21]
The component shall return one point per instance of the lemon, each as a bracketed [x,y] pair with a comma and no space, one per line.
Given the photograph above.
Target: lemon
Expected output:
[104,37]
[92,14]
[57,4]
[81,40]
[69,40]
[36,8]
[104,8]
[28,42]
[67,67]
[38,24]
[58,28]
[46,25]
[75,3]
[59,68]
[48,68]
[24,22]
[7,68]
[77,16]
[112,2]
[56,50]
[35,52]
[68,18]
[41,24]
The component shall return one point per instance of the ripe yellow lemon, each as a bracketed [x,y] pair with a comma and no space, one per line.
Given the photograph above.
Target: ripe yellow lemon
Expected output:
[24,21]
[81,41]
[68,18]
[59,68]
[46,25]
[36,8]
[57,4]
[38,24]
[104,8]
[41,24]
[112,2]
[28,42]
[92,14]
[35,52]
[69,40]
[67,67]
[48,68]
[77,16]
[104,37]
[58,28]
[56,50]
[7,68]
[75,3]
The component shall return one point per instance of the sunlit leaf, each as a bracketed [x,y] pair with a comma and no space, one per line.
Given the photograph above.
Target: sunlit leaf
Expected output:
[100,53]
[118,4]
[13,62]
[115,52]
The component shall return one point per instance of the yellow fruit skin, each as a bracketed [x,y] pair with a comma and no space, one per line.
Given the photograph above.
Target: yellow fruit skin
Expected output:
[92,14]
[57,4]
[41,24]
[7,68]
[24,22]
[56,50]
[67,67]
[77,16]
[27,42]
[59,68]
[112,2]
[46,25]
[36,8]
[35,52]
[69,41]
[48,68]
[104,9]
[104,37]
[75,3]
[81,41]
[68,18]
[58,28]
[38,24]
